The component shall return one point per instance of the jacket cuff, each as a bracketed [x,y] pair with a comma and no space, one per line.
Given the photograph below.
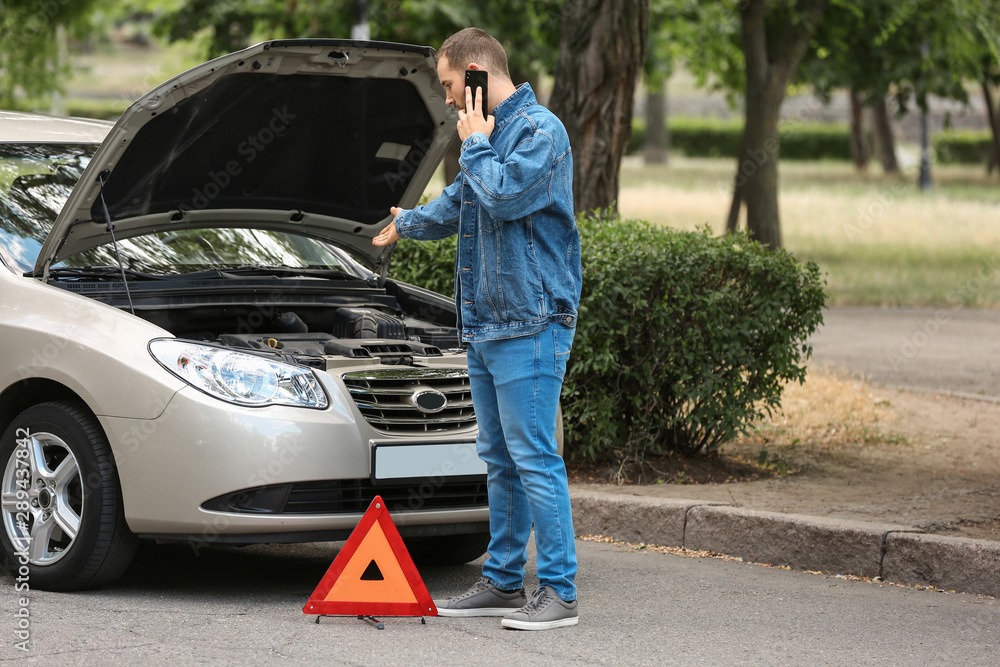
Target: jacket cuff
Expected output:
[473,139]
[399,223]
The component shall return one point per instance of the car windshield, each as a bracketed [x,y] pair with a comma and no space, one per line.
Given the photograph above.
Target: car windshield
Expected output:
[35,181]
[190,250]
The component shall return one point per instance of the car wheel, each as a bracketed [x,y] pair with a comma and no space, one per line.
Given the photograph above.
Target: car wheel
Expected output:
[63,520]
[447,549]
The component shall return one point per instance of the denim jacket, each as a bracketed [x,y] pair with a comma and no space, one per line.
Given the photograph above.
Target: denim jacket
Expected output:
[518,265]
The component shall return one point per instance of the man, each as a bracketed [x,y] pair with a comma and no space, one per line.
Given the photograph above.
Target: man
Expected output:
[517,290]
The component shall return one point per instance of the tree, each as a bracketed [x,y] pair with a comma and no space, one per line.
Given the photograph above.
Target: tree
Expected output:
[847,51]
[601,52]
[750,48]
[661,51]
[859,147]
[772,54]
[875,50]
[31,62]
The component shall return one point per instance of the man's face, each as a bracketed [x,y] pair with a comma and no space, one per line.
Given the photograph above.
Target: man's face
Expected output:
[453,81]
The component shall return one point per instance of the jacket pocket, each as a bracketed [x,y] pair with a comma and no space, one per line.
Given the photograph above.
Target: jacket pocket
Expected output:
[562,343]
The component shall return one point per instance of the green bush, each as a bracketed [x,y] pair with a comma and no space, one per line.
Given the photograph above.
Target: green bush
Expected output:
[713,137]
[963,146]
[430,264]
[705,137]
[683,340]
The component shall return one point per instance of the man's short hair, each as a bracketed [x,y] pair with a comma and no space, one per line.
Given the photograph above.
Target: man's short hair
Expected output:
[474,45]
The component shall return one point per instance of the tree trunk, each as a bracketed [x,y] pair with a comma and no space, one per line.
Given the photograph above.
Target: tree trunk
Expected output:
[733,221]
[359,28]
[769,69]
[859,150]
[601,50]
[884,139]
[993,115]
[657,134]
[451,166]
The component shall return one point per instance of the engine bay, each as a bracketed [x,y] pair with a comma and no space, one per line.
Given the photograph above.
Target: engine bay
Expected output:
[316,322]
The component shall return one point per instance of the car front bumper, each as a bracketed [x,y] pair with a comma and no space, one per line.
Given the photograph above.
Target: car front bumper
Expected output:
[202,449]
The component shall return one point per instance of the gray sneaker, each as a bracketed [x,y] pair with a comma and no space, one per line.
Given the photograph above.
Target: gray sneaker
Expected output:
[543,612]
[483,599]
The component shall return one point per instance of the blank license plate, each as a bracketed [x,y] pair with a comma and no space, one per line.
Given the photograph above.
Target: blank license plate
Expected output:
[397,462]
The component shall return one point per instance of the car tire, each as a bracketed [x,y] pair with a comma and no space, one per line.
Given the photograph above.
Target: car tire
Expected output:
[63,522]
[447,549]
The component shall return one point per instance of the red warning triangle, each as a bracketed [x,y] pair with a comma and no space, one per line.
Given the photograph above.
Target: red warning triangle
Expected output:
[373,574]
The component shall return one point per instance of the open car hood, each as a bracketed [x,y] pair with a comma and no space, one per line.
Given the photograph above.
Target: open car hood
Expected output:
[317,137]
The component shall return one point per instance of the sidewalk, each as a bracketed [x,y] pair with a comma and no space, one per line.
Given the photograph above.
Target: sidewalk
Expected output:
[952,351]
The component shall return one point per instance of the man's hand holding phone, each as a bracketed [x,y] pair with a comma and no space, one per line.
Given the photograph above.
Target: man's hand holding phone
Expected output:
[475,117]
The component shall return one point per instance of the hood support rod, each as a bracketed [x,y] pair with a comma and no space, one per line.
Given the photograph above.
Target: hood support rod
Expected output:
[107,218]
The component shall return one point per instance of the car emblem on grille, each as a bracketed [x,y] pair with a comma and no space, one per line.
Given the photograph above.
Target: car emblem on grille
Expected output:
[429,400]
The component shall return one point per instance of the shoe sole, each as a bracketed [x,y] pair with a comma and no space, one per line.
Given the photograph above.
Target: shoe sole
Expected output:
[481,611]
[513,624]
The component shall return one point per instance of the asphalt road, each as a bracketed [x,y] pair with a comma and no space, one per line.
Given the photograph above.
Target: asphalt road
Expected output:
[931,349]
[243,606]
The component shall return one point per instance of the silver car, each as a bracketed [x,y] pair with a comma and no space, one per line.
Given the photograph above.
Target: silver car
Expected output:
[200,341]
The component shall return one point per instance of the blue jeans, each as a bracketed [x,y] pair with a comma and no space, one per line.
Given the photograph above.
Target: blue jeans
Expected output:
[515,389]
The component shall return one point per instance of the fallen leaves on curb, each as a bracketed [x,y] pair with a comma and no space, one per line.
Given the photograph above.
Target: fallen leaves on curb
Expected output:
[676,551]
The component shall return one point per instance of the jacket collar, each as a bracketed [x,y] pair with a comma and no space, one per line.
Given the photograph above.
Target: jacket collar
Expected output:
[522,98]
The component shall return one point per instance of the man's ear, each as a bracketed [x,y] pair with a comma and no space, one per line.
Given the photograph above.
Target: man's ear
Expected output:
[475,66]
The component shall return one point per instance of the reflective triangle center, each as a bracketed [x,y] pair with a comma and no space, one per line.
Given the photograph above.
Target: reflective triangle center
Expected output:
[372,573]
[352,584]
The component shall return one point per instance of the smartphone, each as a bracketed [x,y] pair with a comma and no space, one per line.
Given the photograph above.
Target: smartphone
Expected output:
[477,78]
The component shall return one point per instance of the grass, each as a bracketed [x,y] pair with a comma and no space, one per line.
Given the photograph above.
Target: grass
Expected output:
[829,409]
[879,240]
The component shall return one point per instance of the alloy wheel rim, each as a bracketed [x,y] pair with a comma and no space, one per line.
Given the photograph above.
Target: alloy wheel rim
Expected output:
[42,508]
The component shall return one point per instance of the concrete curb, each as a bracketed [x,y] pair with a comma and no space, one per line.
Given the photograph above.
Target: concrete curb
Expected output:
[901,554]
[951,563]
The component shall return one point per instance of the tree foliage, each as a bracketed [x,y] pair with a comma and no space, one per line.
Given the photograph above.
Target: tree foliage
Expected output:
[529,29]
[878,47]
[31,37]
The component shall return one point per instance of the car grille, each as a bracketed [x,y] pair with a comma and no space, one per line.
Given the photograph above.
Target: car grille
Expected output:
[351,496]
[355,496]
[386,399]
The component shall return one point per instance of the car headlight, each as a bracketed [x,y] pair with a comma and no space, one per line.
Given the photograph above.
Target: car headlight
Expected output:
[237,377]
